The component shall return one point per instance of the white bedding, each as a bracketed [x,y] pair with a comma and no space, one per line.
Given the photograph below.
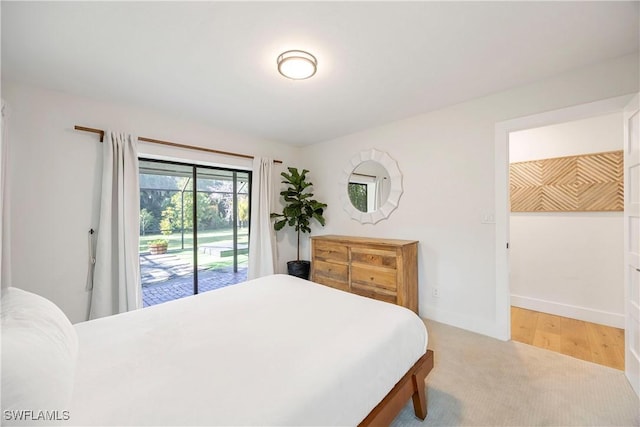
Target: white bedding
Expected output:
[272,351]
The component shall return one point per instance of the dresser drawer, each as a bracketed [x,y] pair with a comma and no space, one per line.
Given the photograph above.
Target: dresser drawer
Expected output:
[329,272]
[329,251]
[375,277]
[376,257]
[373,292]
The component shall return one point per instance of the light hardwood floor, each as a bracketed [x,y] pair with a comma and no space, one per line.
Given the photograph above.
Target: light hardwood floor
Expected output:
[587,341]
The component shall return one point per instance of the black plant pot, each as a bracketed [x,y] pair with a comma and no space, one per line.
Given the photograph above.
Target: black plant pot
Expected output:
[299,269]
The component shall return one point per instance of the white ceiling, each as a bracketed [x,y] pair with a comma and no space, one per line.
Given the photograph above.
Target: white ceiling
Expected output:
[378,62]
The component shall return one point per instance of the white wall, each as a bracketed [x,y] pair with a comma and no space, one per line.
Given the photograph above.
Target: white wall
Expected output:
[447,161]
[55,175]
[4,218]
[568,263]
[592,135]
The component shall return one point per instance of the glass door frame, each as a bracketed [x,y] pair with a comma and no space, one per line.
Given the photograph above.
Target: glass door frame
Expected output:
[194,175]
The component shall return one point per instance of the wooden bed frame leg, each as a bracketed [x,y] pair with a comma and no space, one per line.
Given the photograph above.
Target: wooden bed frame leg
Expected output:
[418,378]
[419,398]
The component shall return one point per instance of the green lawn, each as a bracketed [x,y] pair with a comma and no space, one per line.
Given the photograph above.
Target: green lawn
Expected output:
[209,236]
[210,262]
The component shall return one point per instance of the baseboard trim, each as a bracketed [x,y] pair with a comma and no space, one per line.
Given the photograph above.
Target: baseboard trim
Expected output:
[566,310]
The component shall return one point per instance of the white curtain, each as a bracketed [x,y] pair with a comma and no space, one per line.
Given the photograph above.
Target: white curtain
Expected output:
[116,280]
[380,182]
[5,261]
[262,249]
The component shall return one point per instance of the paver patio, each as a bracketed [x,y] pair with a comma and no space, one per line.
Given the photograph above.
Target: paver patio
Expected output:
[166,277]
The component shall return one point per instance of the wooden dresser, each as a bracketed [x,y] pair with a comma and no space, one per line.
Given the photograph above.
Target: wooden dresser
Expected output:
[383,269]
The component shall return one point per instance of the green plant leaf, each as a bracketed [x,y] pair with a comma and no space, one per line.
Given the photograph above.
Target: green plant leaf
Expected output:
[299,206]
[318,217]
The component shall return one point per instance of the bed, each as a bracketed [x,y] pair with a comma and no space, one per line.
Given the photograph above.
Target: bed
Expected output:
[272,351]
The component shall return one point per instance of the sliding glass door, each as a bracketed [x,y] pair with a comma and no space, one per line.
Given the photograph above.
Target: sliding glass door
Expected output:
[191,244]
[223,227]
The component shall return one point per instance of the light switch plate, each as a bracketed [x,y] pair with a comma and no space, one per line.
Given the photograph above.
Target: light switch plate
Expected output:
[488,218]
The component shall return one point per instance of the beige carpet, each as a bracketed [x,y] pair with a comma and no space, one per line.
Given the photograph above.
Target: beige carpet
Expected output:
[480,381]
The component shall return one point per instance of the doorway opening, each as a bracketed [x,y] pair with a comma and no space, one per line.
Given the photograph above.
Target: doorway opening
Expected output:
[502,193]
[194,228]
[566,231]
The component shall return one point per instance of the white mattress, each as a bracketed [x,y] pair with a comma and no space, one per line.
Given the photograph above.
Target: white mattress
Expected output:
[272,351]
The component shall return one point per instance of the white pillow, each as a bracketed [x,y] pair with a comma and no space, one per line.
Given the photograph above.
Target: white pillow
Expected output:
[39,350]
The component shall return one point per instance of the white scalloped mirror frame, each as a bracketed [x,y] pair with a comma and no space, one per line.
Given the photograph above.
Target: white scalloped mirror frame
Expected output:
[394,194]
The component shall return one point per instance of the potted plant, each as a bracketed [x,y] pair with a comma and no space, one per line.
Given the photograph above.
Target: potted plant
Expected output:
[298,212]
[158,247]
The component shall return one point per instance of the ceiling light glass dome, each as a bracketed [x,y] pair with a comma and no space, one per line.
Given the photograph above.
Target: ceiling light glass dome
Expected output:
[297,64]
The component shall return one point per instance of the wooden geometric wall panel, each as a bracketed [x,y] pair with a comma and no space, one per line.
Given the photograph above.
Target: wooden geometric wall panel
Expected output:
[526,199]
[559,198]
[560,171]
[590,182]
[595,197]
[525,175]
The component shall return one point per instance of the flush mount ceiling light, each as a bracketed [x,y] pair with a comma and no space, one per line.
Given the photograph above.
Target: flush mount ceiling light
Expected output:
[297,64]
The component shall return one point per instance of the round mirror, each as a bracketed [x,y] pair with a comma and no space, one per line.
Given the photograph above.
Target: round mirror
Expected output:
[371,186]
[368,186]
